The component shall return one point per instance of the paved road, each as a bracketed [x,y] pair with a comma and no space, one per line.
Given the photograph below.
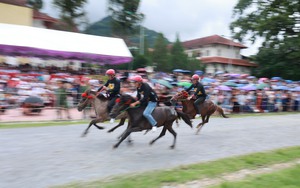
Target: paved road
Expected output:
[41,157]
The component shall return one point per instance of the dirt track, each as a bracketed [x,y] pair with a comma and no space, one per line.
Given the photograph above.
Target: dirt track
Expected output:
[41,157]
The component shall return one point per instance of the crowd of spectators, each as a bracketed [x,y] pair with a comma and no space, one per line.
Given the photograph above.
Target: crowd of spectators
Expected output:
[235,93]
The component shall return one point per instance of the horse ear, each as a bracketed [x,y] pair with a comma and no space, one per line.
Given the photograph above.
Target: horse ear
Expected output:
[118,100]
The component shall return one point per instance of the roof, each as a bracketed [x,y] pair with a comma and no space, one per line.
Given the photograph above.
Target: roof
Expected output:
[15,2]
[41,16]
[214,39]
[45,43]
[224,60]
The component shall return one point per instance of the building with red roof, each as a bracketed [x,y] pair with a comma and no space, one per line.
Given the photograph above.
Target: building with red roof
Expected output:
[18,12]
[219,54]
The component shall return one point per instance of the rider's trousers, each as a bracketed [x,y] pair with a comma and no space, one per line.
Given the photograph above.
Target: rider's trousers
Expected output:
[148,112]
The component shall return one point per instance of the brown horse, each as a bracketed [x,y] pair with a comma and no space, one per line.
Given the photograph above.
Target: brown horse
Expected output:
[207,108]
[100,105]
[165,116]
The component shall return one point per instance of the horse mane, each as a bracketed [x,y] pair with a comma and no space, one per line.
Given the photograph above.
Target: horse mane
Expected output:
[125,97]
[92,92]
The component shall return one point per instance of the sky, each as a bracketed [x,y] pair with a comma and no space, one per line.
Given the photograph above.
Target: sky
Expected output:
[191,19]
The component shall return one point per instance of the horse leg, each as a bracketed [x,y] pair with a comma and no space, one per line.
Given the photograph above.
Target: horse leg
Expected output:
[86,130]
[126,134]
[163,132]
[201,124]
[171,130]
[122,122]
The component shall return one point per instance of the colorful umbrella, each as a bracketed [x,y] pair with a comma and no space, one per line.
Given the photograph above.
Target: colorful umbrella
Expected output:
[164,83]
[184,84]
[262,86]
[224,88]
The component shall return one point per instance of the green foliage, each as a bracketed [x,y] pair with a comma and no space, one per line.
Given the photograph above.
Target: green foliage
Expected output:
[104,28]
[36,4]
[277,23]
[178,57]
[125,16]
[71,12]
[160,55]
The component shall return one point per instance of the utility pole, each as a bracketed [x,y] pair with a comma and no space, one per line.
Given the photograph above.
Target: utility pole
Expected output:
[142,38]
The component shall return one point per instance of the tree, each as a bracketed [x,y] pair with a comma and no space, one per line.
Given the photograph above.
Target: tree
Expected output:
[160,55]
[36,4]
[178,57]
[277,23]
[71,12]
[126,17]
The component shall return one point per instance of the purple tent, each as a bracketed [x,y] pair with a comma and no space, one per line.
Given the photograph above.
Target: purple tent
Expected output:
[28,41]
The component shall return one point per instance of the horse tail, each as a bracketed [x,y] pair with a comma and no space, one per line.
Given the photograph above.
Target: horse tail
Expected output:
[220,110]
[185,118]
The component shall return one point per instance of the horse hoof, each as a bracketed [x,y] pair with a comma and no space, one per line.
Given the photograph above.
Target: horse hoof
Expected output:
[83,135]
[109,131]
[151,142]
[115,146]
[172,147]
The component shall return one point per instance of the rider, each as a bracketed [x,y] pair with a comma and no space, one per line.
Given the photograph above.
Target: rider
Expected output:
[112,86]
[199,93]
[146,97]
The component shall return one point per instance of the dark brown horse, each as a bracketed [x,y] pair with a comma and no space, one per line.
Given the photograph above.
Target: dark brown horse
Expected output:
[165,116]
[100,106]
[207,108]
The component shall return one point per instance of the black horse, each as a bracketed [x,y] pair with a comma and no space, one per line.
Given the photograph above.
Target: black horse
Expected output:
[165,116]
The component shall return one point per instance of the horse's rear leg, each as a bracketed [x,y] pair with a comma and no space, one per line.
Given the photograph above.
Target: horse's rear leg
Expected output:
[200,125]
[206,121]
[171,130]
[163,132]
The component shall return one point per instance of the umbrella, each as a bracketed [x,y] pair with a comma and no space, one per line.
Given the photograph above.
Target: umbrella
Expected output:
[208,80]
[199,72]
[141,70]
[249,87]
[219,72]
[251,77]
[282,88]
[184,84]
[181,71]
[224,88]
[34,100]
[231,84]
[164,83]
[276,78]
[263,80]
[296,88]
[262,86]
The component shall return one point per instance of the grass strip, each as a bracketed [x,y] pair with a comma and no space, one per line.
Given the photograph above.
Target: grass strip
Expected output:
[40,124]
[192,172]
[283,178]
[6,125]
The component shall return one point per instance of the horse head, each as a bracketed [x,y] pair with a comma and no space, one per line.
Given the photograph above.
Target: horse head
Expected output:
[85,100]
[121,105]
[182,95]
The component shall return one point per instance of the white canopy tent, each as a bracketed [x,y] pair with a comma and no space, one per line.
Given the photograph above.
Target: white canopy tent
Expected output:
[47,43]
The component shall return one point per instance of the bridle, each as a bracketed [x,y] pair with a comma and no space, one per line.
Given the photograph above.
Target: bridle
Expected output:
[182,95]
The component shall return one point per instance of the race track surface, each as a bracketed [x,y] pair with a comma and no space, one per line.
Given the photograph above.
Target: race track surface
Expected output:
[47,156]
